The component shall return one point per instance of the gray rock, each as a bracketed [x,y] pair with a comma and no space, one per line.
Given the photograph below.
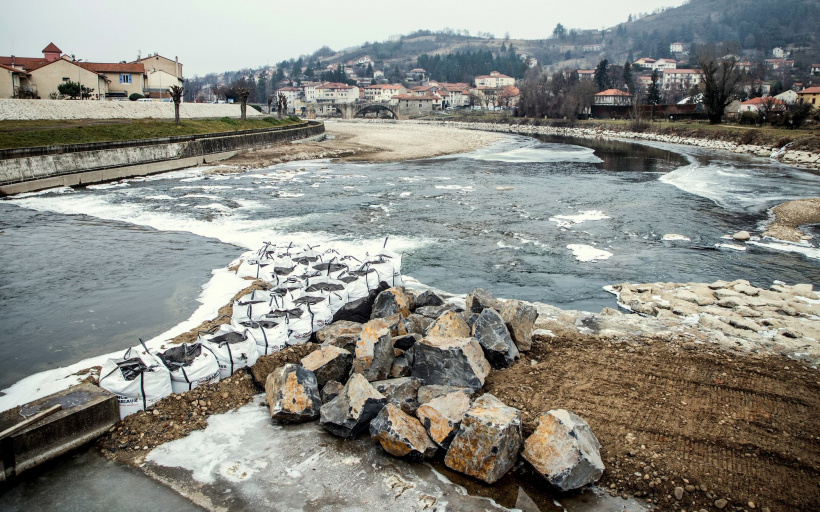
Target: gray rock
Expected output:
[349,414]
[442,416]
[292,394]
[564,450]
[524,503]
[449,325]
[449,361]
[359,310]
[331,390]
[403,392]
[519,318]
[742,236]
[495,340]
[434,312]
[488,440]
[374,351]
[401,435]
[678,493]
[393,301]
[429,298]
[428,393]
[329,363]
[479,299]
[343,334]
[406,341]
[400,368]
[417,324]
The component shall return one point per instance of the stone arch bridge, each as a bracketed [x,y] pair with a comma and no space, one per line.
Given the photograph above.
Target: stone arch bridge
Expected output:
[353,110]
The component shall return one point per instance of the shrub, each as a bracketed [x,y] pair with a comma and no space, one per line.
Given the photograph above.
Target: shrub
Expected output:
[135,96]
[749,118]
[295,119]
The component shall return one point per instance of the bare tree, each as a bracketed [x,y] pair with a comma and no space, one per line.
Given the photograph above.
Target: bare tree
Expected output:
[176,94]
[271,97]
[720,80]
[243,93]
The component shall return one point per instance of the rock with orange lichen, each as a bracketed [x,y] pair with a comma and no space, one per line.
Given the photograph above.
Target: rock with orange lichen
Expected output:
[564,450]
[349,414]
[449,325]
[329,363]
[487,442]
[401,435]
[442,416]
[449,361]
[403,392]
[292,394]
[393,301]
[374,351]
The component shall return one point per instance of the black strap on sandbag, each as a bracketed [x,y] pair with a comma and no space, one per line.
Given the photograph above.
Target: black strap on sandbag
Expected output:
[186,377]
[142,390]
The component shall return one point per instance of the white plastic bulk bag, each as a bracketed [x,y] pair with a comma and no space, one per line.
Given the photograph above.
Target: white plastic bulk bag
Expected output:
[254,268]
[190,366]
[385,262]
[332,269]
[270,336]
[137,378]
[334,289]
[356,286]
[300,326]
[318,307]
[369,275]
[233,350]
[255,297]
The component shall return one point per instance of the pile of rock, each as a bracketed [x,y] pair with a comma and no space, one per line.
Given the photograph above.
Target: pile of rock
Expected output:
[782,317]
[408,376]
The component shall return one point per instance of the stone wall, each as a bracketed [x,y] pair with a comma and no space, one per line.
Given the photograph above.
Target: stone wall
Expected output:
[39,168]
[25,110]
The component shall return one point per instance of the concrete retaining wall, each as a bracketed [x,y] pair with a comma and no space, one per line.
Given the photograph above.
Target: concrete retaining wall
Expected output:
[32,169]
[72,109]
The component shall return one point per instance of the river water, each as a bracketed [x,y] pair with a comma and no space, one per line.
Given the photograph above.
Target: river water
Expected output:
[86,271]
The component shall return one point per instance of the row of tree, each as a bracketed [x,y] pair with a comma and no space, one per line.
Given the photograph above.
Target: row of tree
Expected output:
[464,66]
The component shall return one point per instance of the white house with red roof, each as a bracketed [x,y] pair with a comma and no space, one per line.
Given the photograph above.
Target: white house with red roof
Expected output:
[613,97]
[383,92]
[764,104]
[334,92]
[494,79]
[681,78]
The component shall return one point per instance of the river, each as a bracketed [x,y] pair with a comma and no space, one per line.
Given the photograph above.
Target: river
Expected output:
[87,271]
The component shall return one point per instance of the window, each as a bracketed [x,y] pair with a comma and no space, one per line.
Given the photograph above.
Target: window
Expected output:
[125,78]
[65,79]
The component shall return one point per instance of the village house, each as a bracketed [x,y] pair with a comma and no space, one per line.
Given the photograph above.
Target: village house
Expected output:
[779,64]
[676,48]
[46,77]
[416,75]
[383,92]
[494,79]
[309,91]
[681,78]
[810,95]
[409,105]
[789,97]
[664,64]
[293,96]
[124,79]
[613,97]
[586,74]
[767,104]
[334,93]
[778,53]
[593,47]
[14,82]
[161,73]
[815,70]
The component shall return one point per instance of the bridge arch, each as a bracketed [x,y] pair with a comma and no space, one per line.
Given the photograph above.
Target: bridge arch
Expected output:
[375,109]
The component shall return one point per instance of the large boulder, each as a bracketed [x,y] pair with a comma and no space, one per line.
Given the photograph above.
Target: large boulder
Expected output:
[349,414]
[329,363]
[431,392]
[374,351]
[442,416]
[342,334]
[406,341]
[487,442]
[331,390]
[449,325]
[429,298]
[519,318]
[449,361]
[480,299]
[293,394]
[417,324]
[434,312]
[400,368]
[564,450]
[401,435]
[495,340]
[393,301]
[403,392]
[359,310]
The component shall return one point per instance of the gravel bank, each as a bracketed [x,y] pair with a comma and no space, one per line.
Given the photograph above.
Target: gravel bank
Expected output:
[790,215]
[30,110]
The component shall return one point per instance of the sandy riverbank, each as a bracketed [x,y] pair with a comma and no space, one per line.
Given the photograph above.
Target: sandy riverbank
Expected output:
[790,215]
[368,142]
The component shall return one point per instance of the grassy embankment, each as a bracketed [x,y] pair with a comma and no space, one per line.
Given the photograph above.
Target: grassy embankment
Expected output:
[803,139]
[21,134]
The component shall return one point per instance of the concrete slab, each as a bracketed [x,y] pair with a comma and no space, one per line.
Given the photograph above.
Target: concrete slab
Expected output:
[88,411]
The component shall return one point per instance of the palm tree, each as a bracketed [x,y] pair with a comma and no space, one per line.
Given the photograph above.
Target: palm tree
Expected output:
[176,93]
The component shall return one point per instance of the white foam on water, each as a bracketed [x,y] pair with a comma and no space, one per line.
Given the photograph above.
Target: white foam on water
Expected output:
[501,244]
[805,249]
[460,188]
[56,190]
[106,186]
[213,206]
[522,149]
[288,195]
[565,221]
[672,237]
[161,197]
[588,253]
[203,196]
[217,292]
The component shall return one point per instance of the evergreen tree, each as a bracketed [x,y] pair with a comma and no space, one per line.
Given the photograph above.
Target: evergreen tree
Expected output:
[628,79]
[654,95]
[369,71]
[602,79]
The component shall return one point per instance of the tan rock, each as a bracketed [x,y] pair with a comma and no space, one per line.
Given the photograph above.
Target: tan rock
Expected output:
[488,440]
[328,363]
[393,301]
[449,325]
[349,414]
[374,351]
[292,394]
[520,319]
[442,416]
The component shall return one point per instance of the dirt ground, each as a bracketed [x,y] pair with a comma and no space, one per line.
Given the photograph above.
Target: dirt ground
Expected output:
[742,428]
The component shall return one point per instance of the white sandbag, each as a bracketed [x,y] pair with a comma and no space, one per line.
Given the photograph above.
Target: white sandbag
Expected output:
[334,289]
[233,350]
[385,263]
[138,379]
[190,366]
[270,337]
[318,307]
[356,286]
[332,269]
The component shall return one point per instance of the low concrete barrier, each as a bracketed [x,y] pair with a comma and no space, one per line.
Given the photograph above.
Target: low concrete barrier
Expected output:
[39,168]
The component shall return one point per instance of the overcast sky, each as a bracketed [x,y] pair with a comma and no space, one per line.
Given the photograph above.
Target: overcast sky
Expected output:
[218,35]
